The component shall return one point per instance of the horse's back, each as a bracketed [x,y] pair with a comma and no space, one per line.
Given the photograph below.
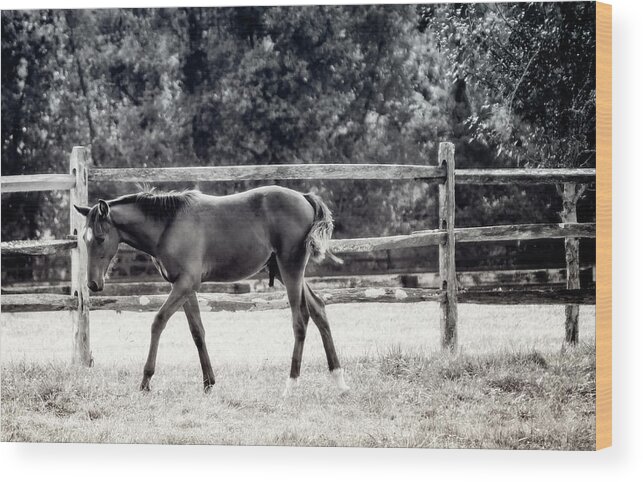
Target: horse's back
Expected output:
[232,237]
[273,208]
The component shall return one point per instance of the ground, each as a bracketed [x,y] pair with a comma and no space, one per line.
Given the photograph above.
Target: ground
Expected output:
[512,383]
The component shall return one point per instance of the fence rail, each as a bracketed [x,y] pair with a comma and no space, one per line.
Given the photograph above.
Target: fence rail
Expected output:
[268,173]
[446,238]
[480,280]
[278,300]
[51,182]
[38,247]
[514,232]
[524,176]
[38,182]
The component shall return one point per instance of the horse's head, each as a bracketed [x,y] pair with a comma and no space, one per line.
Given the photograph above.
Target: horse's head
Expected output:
[101,238]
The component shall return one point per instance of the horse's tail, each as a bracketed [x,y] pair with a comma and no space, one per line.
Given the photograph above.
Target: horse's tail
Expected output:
[318,239]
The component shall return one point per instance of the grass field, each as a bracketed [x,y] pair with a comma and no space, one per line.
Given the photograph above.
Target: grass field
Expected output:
[511,385]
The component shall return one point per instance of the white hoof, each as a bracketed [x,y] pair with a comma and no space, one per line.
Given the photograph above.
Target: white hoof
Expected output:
[338,377]
[291,383]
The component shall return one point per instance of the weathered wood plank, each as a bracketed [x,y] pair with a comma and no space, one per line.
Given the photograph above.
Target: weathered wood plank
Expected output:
[516,232]
[466,279]
[78,195]
[524,176]
[277,300]
[268,172]
[38,302]
[163,288]
[268,301]
[37,182]
[31,289]
[363,245]
[449,303]
[37,247]
[432,237]
[126,289]
[529,297]
[341,171]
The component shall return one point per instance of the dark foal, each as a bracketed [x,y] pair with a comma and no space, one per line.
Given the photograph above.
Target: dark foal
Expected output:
[193,237]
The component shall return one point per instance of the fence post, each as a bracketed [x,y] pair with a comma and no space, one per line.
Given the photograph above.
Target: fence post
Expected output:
[449,303]
[78,164]
[571,193]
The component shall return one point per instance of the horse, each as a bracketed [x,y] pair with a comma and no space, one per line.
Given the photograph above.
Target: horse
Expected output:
[193,237]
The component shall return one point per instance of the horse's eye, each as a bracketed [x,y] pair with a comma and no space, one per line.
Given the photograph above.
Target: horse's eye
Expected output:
[100,240]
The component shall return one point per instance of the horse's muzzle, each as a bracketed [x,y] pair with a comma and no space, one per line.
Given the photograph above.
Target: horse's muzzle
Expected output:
[92,285]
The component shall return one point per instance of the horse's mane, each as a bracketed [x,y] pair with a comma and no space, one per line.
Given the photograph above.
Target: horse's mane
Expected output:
[157,204]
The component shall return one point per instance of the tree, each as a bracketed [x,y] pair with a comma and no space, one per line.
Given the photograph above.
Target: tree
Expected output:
[350,84]
[531,70]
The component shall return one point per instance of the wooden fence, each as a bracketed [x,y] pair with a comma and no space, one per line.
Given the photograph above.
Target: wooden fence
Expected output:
[446,237]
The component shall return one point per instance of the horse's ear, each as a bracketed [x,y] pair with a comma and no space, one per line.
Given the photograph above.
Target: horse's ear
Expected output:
[82,210]
[103,208]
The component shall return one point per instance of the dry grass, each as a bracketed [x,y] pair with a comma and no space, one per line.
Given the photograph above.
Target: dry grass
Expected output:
[510,386]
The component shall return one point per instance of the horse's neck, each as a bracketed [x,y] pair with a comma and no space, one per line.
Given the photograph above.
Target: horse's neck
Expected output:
[137,231]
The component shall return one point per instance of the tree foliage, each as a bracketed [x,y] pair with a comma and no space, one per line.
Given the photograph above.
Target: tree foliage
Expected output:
[511,84]
[531,70]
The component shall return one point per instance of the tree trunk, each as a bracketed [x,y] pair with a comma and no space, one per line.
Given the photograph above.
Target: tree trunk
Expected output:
[71,22]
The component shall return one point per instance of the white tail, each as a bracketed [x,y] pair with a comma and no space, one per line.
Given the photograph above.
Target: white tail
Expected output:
[318,239]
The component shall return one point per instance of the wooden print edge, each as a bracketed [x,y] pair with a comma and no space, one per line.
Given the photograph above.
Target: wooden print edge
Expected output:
[603,225]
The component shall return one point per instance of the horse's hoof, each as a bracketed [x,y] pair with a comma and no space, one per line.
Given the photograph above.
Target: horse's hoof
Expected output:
[338,377]
[344,392]
[207,387]
[291,383]
[145,387]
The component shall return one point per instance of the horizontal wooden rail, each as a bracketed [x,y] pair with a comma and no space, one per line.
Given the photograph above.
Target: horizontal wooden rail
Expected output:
[365,245]
[127,288]
[37,182]
[466,235]
[517,232]
[506,278]
[38,302]
[342,171]
[267,301]
[278,300]
[529,297]
[216,301]
[50,182]
[524,176]
[267,172]
[37,247]
[361,245]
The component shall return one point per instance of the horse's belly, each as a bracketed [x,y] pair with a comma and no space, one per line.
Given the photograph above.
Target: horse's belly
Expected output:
[225,275]
[235,267]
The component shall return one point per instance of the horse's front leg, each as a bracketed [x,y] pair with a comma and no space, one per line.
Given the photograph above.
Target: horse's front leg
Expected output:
[181,289]
[193,314]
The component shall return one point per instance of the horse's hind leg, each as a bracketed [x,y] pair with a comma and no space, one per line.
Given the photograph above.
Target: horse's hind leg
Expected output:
[193,314]
[292,276]
[317,310]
